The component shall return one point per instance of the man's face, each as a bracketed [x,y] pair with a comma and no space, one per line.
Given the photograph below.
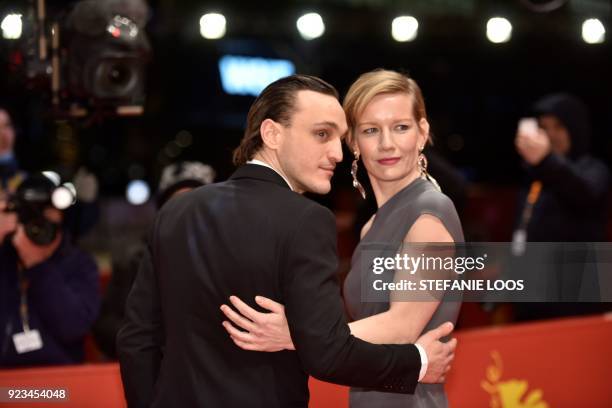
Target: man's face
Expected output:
[7,133]
[312,143]
[558,134]
[53,214]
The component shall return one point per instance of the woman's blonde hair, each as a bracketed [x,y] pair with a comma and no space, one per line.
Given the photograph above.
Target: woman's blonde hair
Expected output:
[374,83]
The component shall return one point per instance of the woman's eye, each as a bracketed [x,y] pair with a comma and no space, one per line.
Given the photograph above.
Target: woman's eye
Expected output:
[370,130]
[322,133]
[402,128]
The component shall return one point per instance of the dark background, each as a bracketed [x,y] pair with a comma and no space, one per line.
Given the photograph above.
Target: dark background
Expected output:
[475,91]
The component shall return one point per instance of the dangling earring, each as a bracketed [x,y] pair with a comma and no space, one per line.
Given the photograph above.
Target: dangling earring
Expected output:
[422,162]
[356,183]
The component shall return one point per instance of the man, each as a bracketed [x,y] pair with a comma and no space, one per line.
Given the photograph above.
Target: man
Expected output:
[571,205]
[49,289]
[256,234]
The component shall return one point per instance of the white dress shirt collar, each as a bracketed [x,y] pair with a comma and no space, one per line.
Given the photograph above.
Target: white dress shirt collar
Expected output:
[261,163]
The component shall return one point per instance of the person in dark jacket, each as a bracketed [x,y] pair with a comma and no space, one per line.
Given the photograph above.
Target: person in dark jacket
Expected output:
[176,178]
[49,294]
[569,189]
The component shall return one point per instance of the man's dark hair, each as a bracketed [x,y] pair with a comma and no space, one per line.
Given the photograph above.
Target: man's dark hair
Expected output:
[276,102]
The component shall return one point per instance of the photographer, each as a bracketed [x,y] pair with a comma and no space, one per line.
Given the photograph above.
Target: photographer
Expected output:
[567,197]
[49,294]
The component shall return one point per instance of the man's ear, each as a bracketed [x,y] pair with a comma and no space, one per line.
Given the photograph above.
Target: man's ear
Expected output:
[271,134]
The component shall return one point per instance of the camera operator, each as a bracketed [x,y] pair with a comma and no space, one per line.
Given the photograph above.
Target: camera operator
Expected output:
[49,289]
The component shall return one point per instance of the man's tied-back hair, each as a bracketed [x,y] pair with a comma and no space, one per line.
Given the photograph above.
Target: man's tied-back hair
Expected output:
[276,102]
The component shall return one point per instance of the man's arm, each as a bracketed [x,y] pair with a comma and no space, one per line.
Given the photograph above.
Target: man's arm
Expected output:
[140,339]
[315,313]
[64,293]
[582,189]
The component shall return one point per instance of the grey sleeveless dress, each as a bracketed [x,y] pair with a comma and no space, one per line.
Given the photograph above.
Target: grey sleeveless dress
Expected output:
[390,226]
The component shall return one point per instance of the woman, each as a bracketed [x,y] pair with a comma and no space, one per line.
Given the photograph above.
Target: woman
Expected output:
[388,130]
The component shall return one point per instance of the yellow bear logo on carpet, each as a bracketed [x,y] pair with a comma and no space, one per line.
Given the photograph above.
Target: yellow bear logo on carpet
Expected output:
[512,393]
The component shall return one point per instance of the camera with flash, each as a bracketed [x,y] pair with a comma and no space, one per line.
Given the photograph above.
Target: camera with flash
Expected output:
[36,193]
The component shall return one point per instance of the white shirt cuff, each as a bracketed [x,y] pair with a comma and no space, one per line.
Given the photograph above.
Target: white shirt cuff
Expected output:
[424,361]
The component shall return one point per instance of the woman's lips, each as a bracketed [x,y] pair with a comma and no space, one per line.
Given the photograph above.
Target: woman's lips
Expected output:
[389,161]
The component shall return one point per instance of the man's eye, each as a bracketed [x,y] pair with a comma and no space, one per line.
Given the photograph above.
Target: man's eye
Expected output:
[322,133]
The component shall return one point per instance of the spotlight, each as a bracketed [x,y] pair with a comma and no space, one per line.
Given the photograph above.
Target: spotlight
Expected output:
[138,192]
[593,31]
[212,26]
[11,26]
[404,28]
[499,30]
[310,26]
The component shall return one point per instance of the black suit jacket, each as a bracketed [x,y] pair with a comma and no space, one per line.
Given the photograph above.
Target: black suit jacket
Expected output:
[250,235]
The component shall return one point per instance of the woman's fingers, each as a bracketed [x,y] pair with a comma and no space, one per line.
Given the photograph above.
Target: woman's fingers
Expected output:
[237,319]
[238,334]
[247,346]
[245,309]
[269,304]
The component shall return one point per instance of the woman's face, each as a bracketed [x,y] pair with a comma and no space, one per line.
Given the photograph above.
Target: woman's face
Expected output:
[388,137]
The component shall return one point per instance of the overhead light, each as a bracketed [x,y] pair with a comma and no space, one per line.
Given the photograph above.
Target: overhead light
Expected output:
[499,30]
[12,26]
[138,192]
[593,31]
[310,26]
[404,28]
[212,26]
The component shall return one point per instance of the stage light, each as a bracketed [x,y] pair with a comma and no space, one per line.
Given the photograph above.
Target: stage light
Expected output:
[138,192]
[212,26]
[310,26]
[593,31]
[12,26]
[499,30]
[250,75]
[404,28]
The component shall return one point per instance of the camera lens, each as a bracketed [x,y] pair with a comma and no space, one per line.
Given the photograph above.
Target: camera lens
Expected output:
[119,75]
[115,77]
[40,231]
